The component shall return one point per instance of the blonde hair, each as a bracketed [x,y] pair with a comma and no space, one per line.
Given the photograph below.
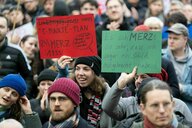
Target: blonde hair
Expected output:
[153,20]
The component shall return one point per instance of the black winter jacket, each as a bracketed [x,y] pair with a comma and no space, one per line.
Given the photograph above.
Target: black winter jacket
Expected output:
[12,61]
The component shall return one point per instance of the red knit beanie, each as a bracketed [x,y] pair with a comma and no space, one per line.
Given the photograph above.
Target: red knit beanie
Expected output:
[67,87]
[162,76]
[141,28]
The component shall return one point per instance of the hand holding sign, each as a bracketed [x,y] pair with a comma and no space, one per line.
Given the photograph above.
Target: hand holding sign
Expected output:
[64,60]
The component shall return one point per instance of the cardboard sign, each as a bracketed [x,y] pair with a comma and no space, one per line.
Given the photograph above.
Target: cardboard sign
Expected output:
[26,29]
[122,50]
[67,35]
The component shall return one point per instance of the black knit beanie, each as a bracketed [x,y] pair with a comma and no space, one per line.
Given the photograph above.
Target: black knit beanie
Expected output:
[92,61]
[46,74]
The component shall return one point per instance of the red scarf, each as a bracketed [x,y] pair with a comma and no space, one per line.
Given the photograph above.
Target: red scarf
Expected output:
[148,124]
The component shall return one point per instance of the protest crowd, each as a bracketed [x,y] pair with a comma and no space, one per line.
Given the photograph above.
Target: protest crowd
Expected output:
[128,64]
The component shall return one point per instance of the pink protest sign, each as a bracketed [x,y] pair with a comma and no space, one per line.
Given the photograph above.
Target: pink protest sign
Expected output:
[67,35]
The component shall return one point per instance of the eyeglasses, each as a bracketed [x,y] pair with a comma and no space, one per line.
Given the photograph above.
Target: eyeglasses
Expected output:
[60,99]
[111,7]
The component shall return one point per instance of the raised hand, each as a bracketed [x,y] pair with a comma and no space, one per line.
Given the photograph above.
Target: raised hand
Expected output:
[25,105]
[43,100]
[64,60]
[126,78]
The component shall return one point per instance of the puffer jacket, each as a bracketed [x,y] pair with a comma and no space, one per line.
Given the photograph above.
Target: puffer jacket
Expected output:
[12,61]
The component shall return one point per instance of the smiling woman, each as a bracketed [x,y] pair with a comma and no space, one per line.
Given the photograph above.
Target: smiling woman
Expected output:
[13,101]
[93,87]
[29,45]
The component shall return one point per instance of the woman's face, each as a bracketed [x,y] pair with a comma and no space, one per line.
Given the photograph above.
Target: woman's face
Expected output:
[29,47]
[16,16]
[84,75]
[156,8]
[154,27]
[8,96]
[44,85]
[48,6]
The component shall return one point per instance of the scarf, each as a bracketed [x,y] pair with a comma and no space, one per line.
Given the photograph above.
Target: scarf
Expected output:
[94,112]
[4,112]
[71,122]
[148,124]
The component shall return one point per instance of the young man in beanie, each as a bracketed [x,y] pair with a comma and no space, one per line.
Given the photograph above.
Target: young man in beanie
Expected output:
[44,81]
[180,54]
[64,98]
[13,101]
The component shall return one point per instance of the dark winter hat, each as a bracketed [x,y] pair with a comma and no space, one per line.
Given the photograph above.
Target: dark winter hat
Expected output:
[91,61]
[16,82]
[67,87]
[46,74]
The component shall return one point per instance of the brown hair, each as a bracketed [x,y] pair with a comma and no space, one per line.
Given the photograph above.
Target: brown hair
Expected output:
[16,112]
[120,1]
[97,86]
[152,1]
[153,85]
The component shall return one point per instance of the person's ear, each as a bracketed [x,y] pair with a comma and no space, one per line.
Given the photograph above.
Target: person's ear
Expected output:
[38,87]
[107,12]
[21,44]
[186,38]
[173,103]
[142,108]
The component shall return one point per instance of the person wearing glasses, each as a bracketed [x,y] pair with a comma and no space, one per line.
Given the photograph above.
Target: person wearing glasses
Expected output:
[64,98]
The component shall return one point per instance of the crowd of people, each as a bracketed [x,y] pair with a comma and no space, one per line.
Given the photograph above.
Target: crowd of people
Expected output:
[68,92]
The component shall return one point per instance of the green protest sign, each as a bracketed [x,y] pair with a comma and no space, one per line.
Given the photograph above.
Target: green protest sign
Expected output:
[122,50]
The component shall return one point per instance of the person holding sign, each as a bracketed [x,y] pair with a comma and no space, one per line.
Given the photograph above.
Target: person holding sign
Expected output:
[93,88]
[124,108]
[166,65]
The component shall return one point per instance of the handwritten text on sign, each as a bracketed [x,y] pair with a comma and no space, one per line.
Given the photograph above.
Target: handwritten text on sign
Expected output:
[67,35]
[122,50]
